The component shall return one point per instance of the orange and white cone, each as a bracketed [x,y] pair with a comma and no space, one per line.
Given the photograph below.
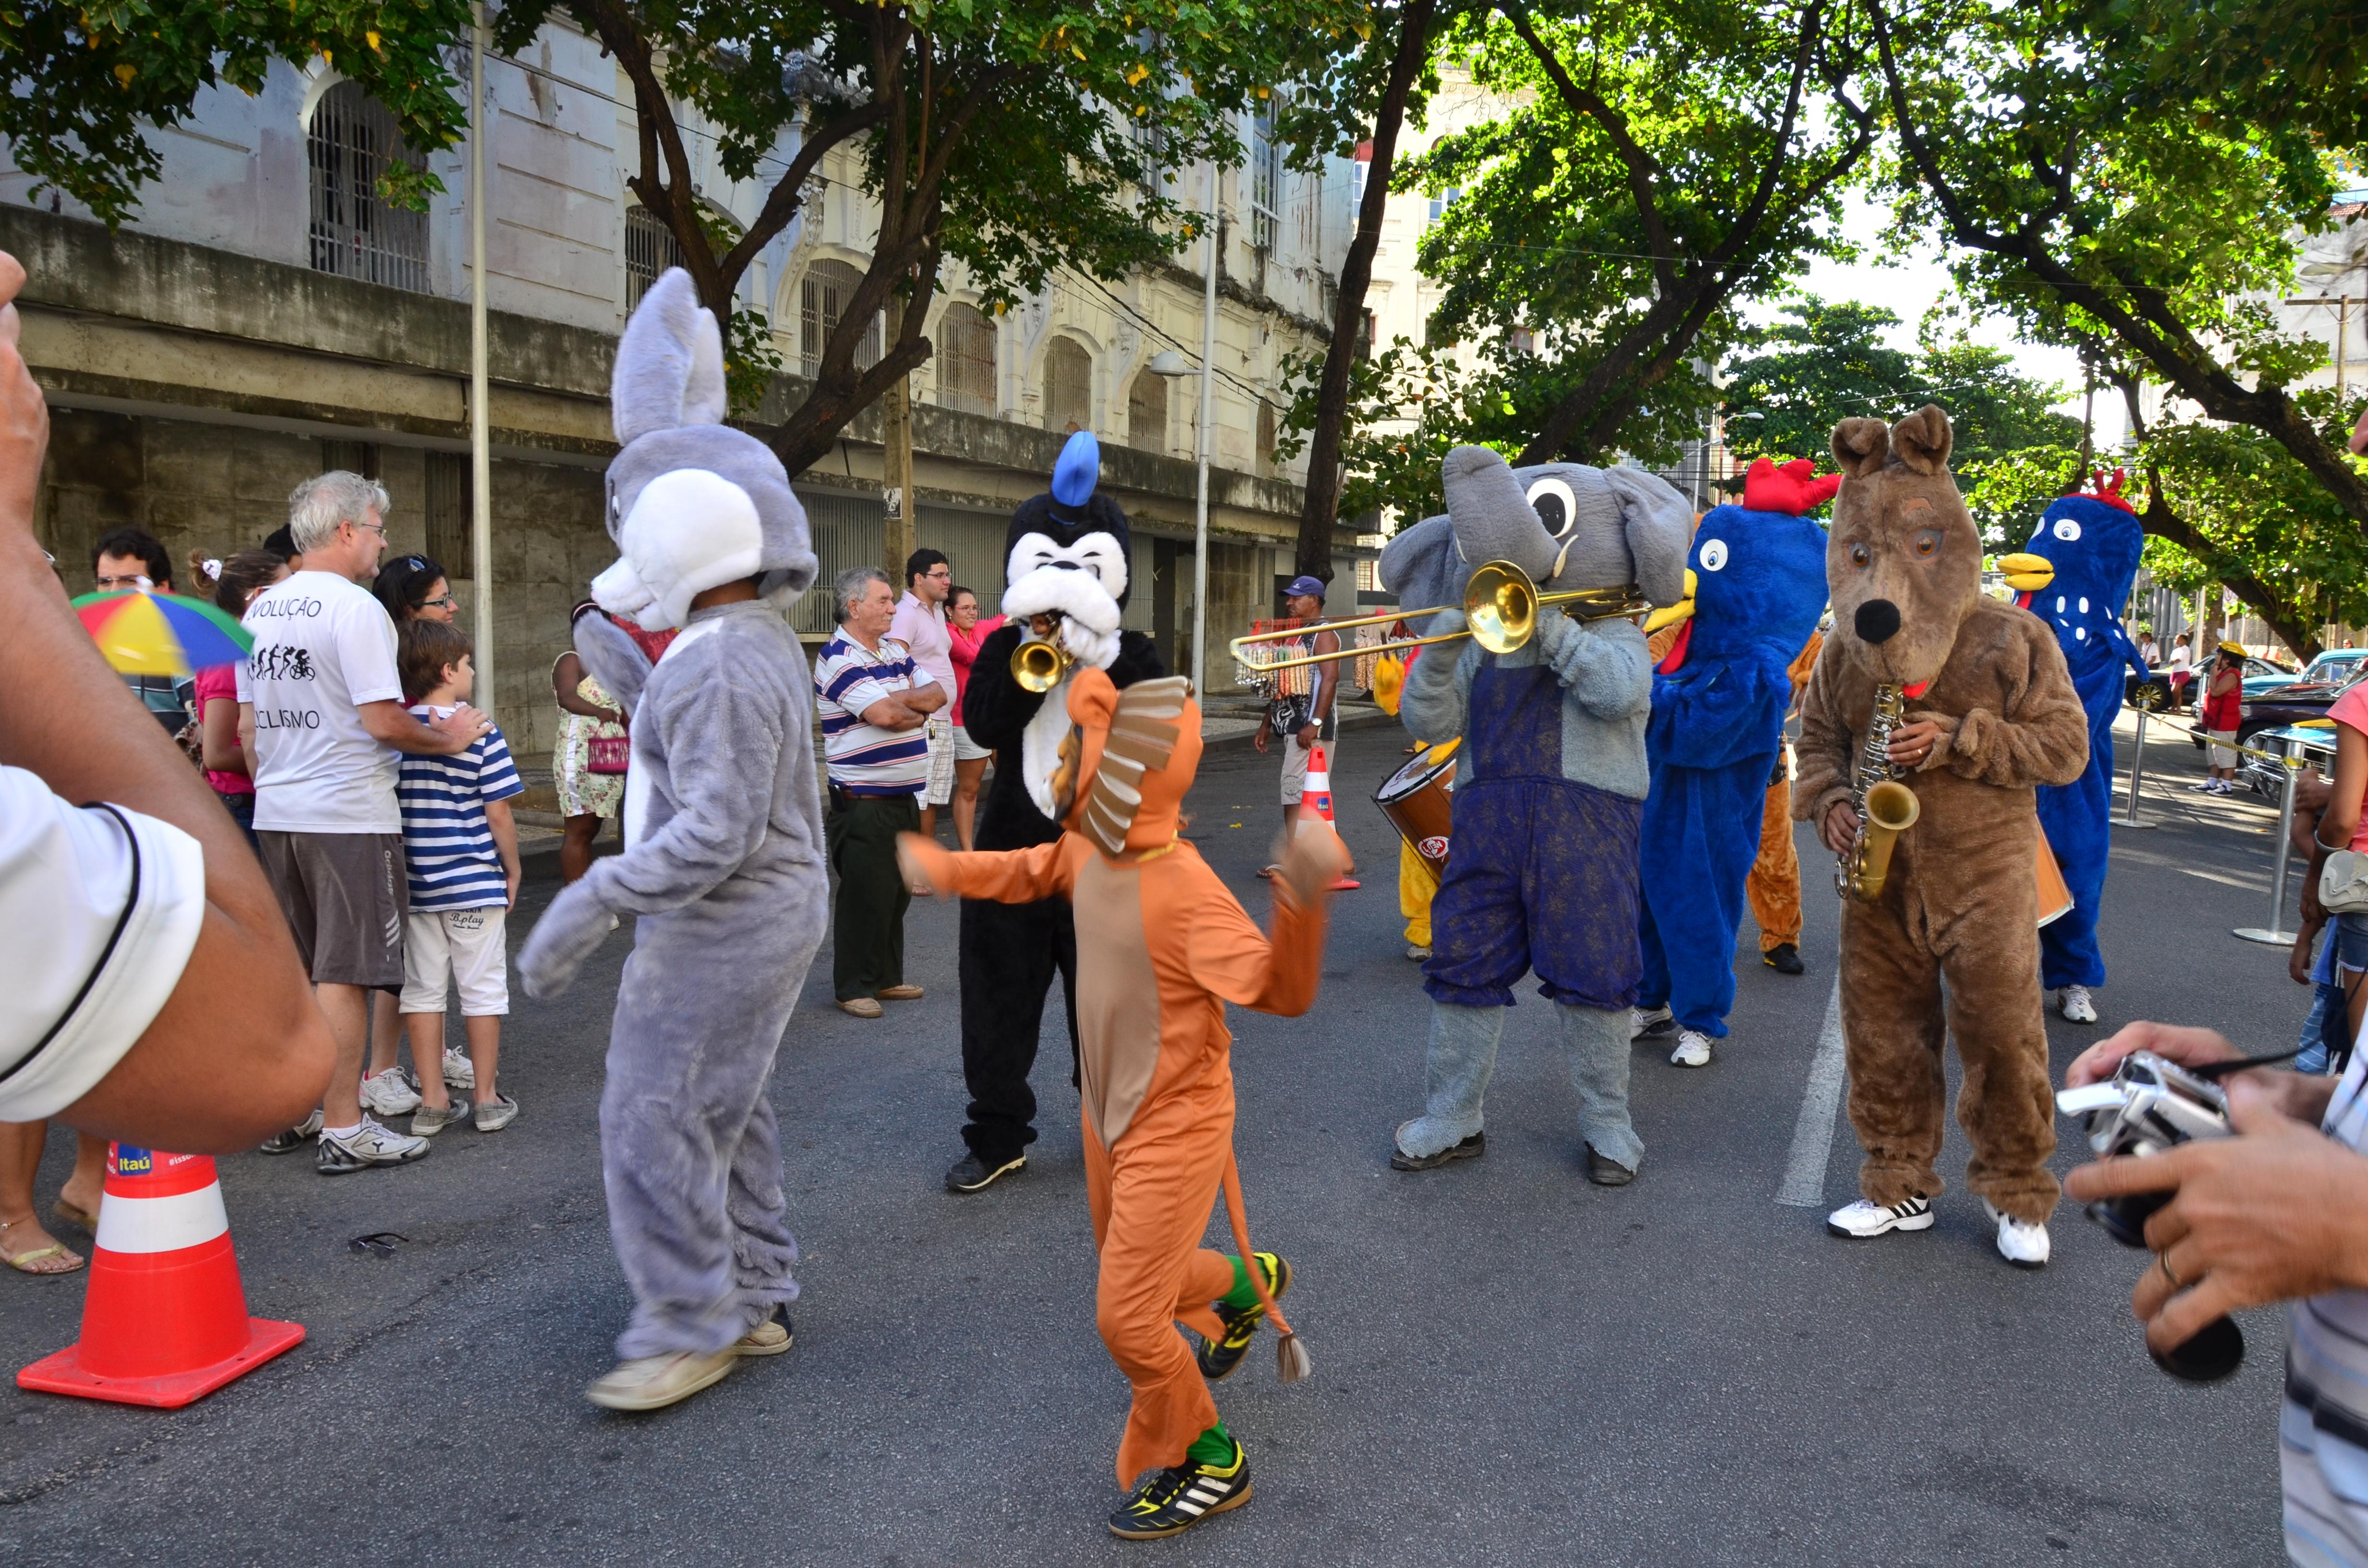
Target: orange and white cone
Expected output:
[1315,796]
[165,1322]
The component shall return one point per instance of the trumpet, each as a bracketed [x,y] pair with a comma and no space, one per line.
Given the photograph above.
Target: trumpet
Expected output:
[1500,612]
[1038,664]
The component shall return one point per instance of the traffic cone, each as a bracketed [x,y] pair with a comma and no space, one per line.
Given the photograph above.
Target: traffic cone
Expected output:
[165,1322]
[1315,795]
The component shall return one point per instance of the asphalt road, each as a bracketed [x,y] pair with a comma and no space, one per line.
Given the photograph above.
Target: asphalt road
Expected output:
[1510,1365]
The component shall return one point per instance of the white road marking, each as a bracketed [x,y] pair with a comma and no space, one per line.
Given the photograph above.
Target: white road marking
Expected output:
[1812,1135]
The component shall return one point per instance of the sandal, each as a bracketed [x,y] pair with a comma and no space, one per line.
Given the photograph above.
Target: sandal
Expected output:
[28,1262]
[75,1214]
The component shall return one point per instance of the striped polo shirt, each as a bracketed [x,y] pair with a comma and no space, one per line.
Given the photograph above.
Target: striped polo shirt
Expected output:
[865,759]
[446,846]
[2323,1432]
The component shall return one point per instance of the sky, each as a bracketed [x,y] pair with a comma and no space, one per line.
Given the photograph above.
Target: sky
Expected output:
[1912,286]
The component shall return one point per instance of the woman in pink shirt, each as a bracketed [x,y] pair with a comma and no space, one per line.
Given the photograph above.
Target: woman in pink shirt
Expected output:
[966,631]
[228,769]
[2343,825]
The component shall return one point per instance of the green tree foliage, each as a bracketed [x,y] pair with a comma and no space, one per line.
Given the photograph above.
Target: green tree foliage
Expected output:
[1016,139]
[84,82]
[1823,362]
[1663,157]
[2101,195]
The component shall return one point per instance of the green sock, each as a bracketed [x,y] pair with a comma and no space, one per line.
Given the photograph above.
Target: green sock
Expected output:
[1244,1295]
[1215,1446]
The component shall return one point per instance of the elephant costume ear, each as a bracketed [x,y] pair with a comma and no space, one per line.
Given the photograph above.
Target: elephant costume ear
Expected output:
[1659,527]
[670,363]
[1923,440]
[1860,446]
[1419,563]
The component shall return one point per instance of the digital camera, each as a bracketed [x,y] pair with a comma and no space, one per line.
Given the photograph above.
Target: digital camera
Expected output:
[2151,1103]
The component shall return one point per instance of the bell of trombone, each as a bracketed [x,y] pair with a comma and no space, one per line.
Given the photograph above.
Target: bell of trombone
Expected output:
[1500,607]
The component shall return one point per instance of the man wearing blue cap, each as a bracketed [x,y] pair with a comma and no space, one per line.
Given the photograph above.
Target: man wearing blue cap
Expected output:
[1305,719]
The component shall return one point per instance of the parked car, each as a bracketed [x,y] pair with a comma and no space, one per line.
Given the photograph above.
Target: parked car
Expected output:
[2298,699]
[2259,675]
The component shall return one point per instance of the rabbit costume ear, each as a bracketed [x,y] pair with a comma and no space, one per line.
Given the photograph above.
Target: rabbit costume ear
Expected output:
[693,504]
[670,363]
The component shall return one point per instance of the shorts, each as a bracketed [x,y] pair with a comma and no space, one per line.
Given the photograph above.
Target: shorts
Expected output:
[2225,752]
[2349,935]
[1294,767]
[446,946]
[968,750]
[940,731]
[344,896]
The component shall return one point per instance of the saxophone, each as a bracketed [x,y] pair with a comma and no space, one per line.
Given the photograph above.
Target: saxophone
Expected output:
[1885,807]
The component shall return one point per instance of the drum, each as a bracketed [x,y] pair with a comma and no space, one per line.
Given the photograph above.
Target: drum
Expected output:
[2055,893]
[1416,800]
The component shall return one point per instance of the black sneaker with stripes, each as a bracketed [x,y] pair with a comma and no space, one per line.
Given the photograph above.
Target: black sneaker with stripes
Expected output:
[1220,1356]
[1172,1501]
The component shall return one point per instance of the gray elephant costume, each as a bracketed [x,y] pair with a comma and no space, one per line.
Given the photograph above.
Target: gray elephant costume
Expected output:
[723,862]
[1550,784]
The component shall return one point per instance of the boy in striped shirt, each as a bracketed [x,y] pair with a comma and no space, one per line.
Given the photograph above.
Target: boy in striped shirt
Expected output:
[460,851]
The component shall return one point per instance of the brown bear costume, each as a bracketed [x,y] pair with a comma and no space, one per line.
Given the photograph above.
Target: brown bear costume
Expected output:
[1903,563]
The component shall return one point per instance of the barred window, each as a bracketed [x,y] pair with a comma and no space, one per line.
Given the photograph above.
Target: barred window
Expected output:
[1265,172]
[1151,146]
[965,354]
[356,232]
[650,249]
[1068,386]
[450,516]
[1265,433]
[1146,412]
[822,300]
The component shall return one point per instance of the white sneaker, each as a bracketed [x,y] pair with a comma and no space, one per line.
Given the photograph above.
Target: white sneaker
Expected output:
[2074,1004]
[2024,1245]
[387,1094]
[1694,1049]
[1417,952]
[1867,1218]
[371,1144]
[1644,1023]
[459,1073]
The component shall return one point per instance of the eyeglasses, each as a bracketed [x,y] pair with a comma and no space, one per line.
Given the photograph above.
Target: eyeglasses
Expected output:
[378,528]
[106,585]
[939,573]
[445,602]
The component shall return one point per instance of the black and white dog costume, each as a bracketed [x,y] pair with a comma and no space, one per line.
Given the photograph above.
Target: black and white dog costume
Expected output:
[1066,554]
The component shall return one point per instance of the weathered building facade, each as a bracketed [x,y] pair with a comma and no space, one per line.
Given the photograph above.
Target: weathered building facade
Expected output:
[263,317]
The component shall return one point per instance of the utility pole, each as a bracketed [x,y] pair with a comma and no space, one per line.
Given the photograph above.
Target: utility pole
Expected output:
[1201,443]
[481,475]
[897,459]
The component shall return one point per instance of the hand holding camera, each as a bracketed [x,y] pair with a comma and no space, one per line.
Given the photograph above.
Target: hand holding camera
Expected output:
[2276,1214]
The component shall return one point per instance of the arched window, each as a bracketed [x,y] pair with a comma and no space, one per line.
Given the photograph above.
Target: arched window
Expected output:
[1068,385]
[355,233]
[650,249]
[822,300]
[1146,412]
[965,354]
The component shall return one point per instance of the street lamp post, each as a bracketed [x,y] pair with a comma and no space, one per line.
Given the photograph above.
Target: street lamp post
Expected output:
[1167,362]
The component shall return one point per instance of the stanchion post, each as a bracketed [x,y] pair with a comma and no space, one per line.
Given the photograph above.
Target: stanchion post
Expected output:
[2273,935]
[2138,761]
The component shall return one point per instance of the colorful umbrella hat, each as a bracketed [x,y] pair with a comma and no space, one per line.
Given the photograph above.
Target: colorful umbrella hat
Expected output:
[161,634]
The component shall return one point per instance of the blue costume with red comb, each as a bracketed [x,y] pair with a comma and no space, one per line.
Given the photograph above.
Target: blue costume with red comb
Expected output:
[2093,540]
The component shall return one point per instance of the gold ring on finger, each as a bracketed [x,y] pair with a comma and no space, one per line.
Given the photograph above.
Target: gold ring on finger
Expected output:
[2164,1259]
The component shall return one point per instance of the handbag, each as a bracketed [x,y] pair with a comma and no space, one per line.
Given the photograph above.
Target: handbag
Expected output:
[2343,882]
[608,754]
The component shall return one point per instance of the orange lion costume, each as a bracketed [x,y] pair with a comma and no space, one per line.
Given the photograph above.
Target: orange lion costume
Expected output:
[1162,947]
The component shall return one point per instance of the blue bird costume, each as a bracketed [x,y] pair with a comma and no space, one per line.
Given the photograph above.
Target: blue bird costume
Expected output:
[2093,544]
[1759,581]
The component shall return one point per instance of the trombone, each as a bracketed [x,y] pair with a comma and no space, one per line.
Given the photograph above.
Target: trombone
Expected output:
[1500,610]
[1039,663]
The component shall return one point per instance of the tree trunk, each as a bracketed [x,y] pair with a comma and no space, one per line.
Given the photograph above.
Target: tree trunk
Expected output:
[1322,507]
[2289,622]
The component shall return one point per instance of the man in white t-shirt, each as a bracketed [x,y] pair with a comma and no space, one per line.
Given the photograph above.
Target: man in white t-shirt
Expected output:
[921,625]
[327,715]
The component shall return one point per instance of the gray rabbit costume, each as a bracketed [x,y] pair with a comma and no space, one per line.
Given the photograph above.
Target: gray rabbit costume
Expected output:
[724,858]
[1549,783]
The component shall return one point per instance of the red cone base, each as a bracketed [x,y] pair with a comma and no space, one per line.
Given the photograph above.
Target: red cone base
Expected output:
[64,1373]
[164,1319]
